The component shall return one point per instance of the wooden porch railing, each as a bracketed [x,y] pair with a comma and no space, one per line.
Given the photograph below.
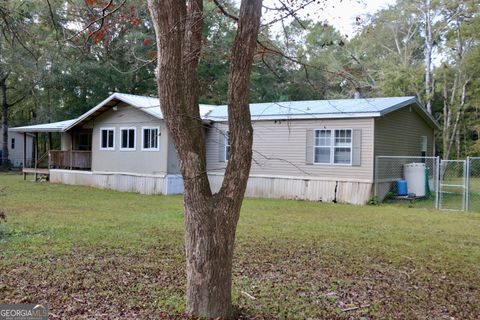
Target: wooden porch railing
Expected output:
[70,159]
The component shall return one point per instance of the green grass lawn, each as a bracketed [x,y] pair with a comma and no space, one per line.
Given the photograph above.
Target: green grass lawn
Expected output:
[101,254]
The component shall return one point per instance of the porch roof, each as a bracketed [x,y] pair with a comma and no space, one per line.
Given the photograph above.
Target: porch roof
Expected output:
[45,127]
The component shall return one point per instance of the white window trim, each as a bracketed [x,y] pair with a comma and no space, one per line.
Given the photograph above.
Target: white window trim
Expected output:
[158,139]
[227,144]
[103,129]
[332,148]
[134,139]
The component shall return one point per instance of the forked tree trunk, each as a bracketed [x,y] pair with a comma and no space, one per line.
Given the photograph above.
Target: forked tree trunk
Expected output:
[209,237]
[210,219]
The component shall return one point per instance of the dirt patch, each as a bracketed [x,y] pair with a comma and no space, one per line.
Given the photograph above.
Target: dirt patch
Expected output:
[296,283]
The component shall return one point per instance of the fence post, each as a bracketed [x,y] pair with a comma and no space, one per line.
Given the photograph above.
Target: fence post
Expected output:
[375,179]
[467,185]
[437,183]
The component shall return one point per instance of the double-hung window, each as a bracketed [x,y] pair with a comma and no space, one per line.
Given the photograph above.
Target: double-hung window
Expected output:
[107,139]
[333,146]
[323,146]
[150,138]
[127,139]
[342,147]
[13,143]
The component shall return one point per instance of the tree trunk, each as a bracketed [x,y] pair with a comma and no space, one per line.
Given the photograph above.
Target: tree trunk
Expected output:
[210,219]
[209,242]
[452,138]
[446,111]
[3,88]
[457,143]
[428,54]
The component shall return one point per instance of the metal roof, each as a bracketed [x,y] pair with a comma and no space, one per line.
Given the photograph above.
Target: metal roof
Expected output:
[325,109]
[150,105]
[45,127]
[315,109]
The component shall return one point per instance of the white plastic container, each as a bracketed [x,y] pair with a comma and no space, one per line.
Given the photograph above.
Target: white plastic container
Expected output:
[414,173]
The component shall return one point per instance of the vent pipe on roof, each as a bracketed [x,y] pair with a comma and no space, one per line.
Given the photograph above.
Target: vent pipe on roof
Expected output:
[357,94]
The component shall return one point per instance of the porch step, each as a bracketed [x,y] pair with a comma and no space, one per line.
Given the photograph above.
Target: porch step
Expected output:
[40,174]
[37,171]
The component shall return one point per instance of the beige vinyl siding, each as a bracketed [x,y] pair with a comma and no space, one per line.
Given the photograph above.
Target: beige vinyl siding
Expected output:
[400,132]
[138,161]
[280,149]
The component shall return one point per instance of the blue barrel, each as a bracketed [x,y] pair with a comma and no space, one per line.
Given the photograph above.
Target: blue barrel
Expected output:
[402,189]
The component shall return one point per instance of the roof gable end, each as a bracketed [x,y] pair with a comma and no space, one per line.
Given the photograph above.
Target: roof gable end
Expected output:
[147,104]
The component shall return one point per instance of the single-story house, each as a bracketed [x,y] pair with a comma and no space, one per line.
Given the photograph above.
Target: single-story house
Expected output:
[313,150]
[15,148]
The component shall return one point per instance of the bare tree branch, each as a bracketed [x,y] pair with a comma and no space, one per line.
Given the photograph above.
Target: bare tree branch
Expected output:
[222,9]
[101,19]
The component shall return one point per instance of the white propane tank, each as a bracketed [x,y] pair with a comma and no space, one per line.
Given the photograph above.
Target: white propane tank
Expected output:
[414,173]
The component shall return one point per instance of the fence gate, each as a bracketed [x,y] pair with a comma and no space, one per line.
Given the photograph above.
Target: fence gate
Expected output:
[473,184]
[453,185]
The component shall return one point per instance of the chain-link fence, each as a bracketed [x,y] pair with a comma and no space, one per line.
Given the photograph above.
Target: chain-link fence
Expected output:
[407,179]
[453,186]
[473,184]
[429,182]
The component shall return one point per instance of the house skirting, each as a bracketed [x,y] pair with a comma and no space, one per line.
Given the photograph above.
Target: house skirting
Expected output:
[357,192]
[127,182]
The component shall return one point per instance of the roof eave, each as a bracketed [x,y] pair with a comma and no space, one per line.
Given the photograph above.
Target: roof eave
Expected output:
[428,115]
[26,129]
[29,133]
[306,116]
[413,101]
[91,111]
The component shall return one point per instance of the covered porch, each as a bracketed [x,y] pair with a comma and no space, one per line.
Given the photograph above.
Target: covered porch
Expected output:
[57,147]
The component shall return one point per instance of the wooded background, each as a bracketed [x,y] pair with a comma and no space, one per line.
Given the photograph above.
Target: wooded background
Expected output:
[60,58]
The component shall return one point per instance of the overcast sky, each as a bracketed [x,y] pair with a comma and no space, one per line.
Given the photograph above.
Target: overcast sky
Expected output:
[341,14]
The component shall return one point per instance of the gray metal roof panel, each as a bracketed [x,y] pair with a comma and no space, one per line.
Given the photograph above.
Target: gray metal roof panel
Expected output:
[318,108]
[45,127]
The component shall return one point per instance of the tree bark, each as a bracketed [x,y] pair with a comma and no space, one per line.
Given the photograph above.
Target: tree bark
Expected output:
[210,219]
[446,115]
[459,117]
[428,55]
[3,88]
